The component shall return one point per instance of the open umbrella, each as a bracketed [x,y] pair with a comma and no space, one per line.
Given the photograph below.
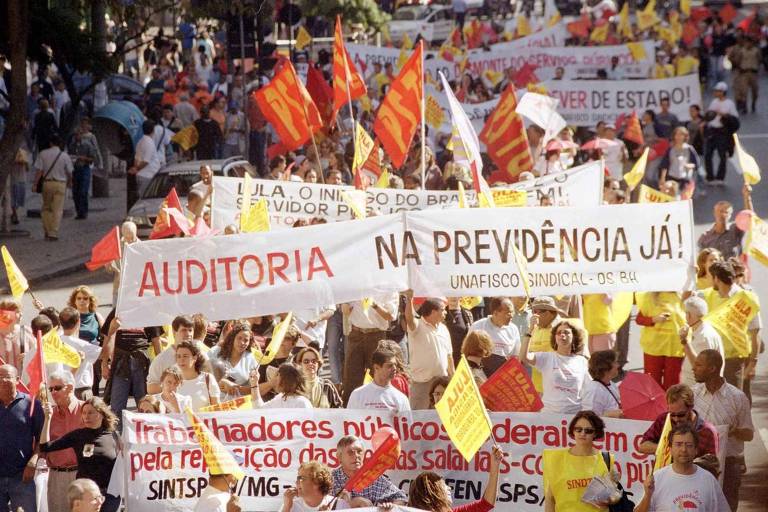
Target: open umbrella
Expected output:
[598,143]
[560,145]
[641,397]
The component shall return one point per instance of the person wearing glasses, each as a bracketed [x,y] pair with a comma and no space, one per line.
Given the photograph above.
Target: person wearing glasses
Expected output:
[568,471]
[96,445]
[67,416]
[82,495]
[321,392]
[312,491]
[680,402]
[564,371]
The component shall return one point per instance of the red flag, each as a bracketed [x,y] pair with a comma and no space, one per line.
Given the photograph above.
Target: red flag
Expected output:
[400,111]
[344,71]
[727,13]
[658,150]
[505,137]
[276,149]
[620,120]
[200,228]
[321,93]
[382,459]
[511,389]
[634,132]
[163,227]
[746,22]
[178,220]
[36,372]
[373,164]
[700,13]
[106,250]
[281,103]
[690,32]
[580,27]
[525,75]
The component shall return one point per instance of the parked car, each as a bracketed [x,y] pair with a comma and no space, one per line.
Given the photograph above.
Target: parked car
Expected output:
[119,87]
[182,176]
[433,23]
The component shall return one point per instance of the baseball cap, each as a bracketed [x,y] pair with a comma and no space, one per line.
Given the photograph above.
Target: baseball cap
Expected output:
[721,86]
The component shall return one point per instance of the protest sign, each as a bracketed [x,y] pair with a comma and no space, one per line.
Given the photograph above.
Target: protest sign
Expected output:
[165,469]
[585,102]
[731,319]
[241,402]
[757,240]
[511,389]
[289,201]
[56,351]
[457,252]
[651,195]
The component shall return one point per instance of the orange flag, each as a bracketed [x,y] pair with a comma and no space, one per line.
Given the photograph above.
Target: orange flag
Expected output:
[633,132]
[400,111]
[344,71]
[281,104]
[505,138]
[163,227]
[106,250]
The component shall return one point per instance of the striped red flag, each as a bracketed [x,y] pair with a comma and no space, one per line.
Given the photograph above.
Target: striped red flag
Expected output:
[505,138]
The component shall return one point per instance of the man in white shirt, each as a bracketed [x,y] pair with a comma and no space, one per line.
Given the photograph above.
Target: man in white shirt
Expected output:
[312,323]
[682,485]
[380,394]
[218,496]
[369,321]
[721,403]
[615,154]
[54,168]
[69,319]
[430,353]
[146,163]
[504,334]
[717,137]
[703,336]
[183,328]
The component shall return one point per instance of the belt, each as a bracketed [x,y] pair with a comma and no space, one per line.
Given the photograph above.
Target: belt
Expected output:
[366,330]
[58,181]
[65,470]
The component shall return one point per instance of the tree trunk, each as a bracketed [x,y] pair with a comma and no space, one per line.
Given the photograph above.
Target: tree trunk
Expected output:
[99,29]
[18,26]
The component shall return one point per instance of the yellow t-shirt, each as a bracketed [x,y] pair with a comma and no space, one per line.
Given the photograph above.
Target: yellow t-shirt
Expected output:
[730,346]
[567,477]
[598,317]
[539,343]
[661,339]
[663,71]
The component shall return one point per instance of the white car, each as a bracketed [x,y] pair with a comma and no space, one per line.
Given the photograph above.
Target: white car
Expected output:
[433,22]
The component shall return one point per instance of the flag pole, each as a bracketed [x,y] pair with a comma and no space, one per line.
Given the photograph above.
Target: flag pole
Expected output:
[349,92]
[423,123]
[306,120]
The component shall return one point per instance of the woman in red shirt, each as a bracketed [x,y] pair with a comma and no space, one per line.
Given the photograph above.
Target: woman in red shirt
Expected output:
[428,491]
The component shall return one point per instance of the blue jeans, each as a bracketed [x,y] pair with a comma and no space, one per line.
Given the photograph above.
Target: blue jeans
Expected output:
[334,342]
[81,183]
[134,383]
[15,493]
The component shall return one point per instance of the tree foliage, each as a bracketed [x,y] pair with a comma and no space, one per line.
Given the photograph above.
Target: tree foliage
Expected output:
[366,12]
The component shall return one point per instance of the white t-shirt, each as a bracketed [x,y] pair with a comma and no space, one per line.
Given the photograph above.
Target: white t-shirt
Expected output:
[563,379]
[167,358]
[614,156]
[597,398]
[704,337]
[84,374]
[238,373]
[300,506]
[700,492]
[292,402]
[724,106]
[212,500]
[506,339]
[373,396]
[429,348]
[370,318]
[316,333]
[146,151]
[198,391]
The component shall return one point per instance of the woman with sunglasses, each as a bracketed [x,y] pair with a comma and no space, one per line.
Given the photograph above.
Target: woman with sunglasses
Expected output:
[568,471]
[563,371]
[95,445]
[312,491]
[429,492]
[233,361]
[321,392]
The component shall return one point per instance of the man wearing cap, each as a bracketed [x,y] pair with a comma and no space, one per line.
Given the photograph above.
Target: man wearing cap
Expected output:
[545,315]
[717,135]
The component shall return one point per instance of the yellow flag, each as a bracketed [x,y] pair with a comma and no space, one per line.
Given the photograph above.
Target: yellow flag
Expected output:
[219,460]
[56,351]
[637,173]
[731,319]
[462,196]
[523,27]
[509,197]
[363,147]
[433,112]
[493,76]
[407,42]
[599,34]
[245,202]
[241,403]
[368,377]
[16,279]
[356,202]
[554,19]
[685,7]
[257,218]
[637,50]
[666,34]
[651,195]
[278,333]
[625,26]
[385,34]
[463,413]
[522,267]
[383,181]
[757,240]
[367,302]
[187,137]
[470,302]
[663,454]
[747,163]
[647,17]
[303,38]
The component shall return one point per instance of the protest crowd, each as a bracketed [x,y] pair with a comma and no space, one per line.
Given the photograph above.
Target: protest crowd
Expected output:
[435,127]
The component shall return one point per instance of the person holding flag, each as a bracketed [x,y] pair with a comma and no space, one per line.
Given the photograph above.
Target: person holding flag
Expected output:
[15,339]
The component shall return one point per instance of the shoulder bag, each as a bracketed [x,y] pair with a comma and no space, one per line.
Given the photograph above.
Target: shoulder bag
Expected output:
[624,504]
[39,184]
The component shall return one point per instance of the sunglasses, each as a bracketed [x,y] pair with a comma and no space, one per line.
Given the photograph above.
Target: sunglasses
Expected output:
[55,388]
[586,430]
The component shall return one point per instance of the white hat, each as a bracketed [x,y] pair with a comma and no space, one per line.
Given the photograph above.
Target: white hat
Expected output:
[721,86]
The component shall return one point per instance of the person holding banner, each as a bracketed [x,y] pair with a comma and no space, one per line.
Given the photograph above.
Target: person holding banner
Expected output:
[312,491]
[564,371]
[219,495]
[15,339]
[321,392]
[350,454]
[429,492]
[568,471]
[232,361]
[197,384]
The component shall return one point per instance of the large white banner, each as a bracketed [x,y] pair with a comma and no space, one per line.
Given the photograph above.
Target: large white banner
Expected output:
[164,467]
[638,247]
[289,201]
[585,102]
